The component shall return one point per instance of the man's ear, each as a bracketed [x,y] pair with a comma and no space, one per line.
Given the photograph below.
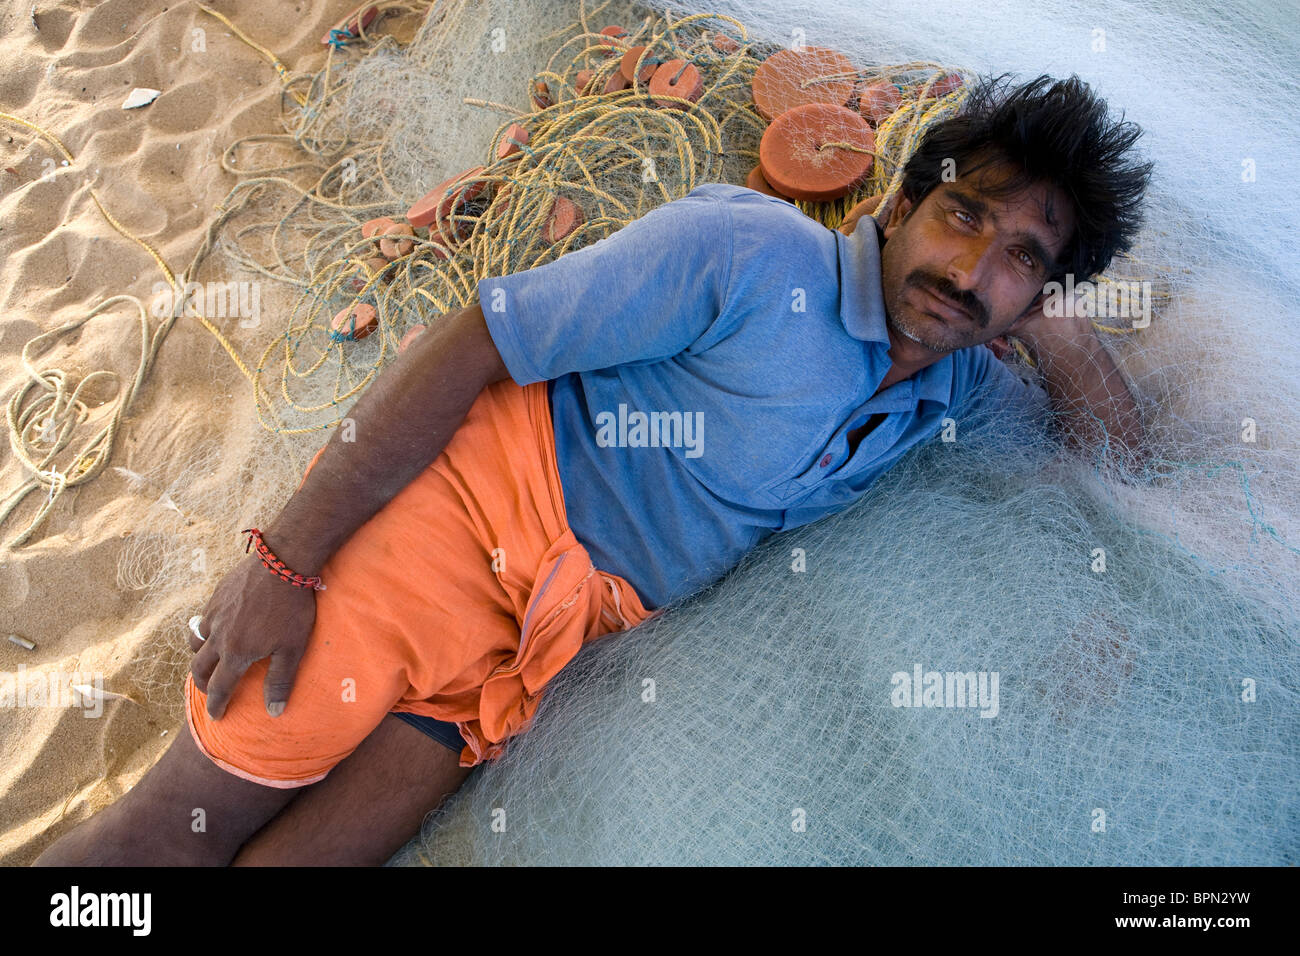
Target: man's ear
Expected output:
[900,207]
[1030,314]
[1034,306]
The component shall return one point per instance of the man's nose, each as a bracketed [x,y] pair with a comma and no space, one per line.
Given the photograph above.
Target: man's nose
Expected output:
[967,267]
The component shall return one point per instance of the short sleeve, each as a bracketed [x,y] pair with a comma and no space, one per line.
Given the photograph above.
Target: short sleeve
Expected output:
[993,401]
[640,295]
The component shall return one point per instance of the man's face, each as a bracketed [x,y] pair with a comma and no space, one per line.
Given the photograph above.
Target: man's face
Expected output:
[986,259]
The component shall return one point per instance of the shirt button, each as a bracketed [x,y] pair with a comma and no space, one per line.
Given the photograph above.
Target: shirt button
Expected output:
[826,460]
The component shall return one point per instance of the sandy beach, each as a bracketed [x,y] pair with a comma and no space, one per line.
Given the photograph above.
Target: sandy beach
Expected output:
[75,590]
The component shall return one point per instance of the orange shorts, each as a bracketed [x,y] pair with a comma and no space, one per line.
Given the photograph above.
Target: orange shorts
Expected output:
[459,600]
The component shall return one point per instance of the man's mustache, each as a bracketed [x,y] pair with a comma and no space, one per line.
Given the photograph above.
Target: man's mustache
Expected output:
[944,289]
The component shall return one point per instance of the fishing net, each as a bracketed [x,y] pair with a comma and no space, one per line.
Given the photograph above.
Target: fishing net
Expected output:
[1141,626]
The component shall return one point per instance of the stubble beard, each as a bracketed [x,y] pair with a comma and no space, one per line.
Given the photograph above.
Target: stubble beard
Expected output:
[909,333]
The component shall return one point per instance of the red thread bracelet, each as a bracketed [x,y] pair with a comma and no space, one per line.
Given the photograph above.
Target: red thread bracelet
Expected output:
[278,567]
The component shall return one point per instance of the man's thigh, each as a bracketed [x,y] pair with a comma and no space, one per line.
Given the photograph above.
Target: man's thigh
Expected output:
[368,807]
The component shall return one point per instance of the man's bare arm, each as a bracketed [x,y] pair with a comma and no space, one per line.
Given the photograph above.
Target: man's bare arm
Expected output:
[1084,385]
[403,422]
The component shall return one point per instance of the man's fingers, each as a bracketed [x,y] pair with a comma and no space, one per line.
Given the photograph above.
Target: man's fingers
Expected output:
[197,641]
[205,661]
[223,682]
[279,679]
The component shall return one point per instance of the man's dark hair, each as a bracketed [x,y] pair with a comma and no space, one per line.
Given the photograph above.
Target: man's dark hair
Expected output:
[1054,131]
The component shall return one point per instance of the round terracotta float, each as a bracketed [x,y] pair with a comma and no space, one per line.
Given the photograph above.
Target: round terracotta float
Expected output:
[512,140]
[790,78]
[355,322]
[613,41]
[409,337]
[376,227]
[352,24]
[877,101]
[616,82]
[676,78]
[944,86]
[648,67]
[439,202]
[541,95]
[724,44]
[396,241]
[564,217]
[798,162]
[366,273]
[755,180]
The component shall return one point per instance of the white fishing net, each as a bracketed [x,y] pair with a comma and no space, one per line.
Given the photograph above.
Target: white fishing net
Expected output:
[1145,714]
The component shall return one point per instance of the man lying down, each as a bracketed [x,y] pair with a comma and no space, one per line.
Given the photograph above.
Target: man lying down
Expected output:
[604,435]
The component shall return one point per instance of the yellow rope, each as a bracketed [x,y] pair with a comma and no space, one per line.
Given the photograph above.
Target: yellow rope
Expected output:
[58,414]
[64,414]
[285,76]
[578,147]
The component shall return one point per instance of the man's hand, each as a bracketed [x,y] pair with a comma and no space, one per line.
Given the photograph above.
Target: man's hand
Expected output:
[1081,379]
[252,615]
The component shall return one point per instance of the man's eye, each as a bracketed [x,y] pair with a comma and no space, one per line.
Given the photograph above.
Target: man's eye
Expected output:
[1027,259]
[961,212]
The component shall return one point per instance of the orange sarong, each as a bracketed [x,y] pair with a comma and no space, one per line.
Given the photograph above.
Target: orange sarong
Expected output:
[459,600]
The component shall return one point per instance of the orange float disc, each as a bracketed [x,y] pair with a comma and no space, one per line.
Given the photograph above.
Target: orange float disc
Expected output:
[617,81]
[515,136]
[614,42]
[366,272]
[355,322]
[877,101]
[438,203]
[376,227]
[648,66]
[796,160]
[394,244]
[565,216]
[583,80]
[409,337]
[676,78]
[944,86]
[352,24]
[724,44]
[541,95]
[755,180]
[790,78]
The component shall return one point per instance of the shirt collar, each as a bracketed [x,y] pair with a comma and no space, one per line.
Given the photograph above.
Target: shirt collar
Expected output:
[862,310]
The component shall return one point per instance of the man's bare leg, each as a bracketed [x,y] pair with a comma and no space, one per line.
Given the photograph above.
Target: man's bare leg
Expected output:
[361,814]
[186,811]
[369,806]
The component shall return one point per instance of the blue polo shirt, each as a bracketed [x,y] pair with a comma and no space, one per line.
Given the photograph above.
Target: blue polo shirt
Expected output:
[706,364]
